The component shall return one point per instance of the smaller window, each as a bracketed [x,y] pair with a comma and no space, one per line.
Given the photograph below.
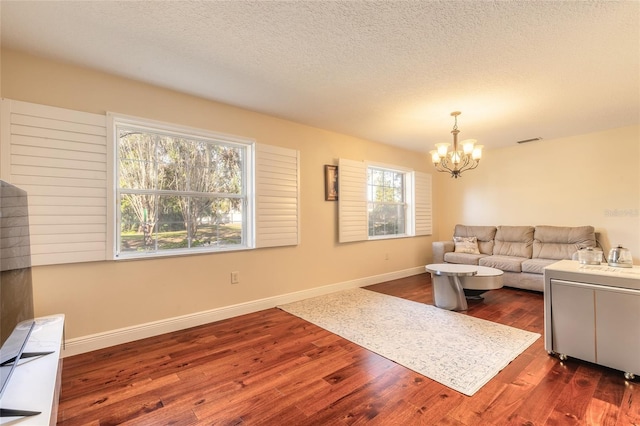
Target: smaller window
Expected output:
[387,207]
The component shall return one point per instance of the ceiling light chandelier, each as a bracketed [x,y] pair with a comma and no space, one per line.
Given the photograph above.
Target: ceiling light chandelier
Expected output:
[456,161]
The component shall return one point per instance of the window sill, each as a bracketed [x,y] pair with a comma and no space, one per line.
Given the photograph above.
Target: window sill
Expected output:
[177,253]
[389,237]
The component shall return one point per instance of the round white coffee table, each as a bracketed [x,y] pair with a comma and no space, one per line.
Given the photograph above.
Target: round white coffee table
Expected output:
[447,288]
[486,279]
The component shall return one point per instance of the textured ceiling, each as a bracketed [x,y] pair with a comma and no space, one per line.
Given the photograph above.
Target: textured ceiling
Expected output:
[381,70]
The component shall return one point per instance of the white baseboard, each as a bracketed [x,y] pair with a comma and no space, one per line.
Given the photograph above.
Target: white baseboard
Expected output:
[93,342]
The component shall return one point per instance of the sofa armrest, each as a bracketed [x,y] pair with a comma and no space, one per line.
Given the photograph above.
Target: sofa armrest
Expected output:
[440,248]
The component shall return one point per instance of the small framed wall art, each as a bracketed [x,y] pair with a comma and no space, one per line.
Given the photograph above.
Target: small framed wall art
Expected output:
[330,182]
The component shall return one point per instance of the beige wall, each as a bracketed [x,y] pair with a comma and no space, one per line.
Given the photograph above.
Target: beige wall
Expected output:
[570,181]
[591,179]
[102,296]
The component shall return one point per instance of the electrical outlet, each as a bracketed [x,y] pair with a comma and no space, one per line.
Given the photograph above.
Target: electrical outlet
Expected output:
[235,277]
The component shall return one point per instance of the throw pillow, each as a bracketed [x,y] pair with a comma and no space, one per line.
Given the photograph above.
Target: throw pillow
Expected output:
[467,245]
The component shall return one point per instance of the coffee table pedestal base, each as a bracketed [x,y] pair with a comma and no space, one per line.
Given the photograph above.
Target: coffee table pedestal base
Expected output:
[447,288]
[448,293]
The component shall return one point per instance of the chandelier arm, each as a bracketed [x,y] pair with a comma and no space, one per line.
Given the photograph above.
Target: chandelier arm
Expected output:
[443,167]
[474,165]
[464,161]
[466,164]
[469,165]
[464,169]
[448,166]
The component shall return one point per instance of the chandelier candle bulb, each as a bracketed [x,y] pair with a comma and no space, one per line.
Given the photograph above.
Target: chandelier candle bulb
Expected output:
[467,146]
[457,160]
[442,149]
[477,152]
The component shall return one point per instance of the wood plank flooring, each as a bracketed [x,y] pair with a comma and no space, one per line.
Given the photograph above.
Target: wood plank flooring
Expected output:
[271,368]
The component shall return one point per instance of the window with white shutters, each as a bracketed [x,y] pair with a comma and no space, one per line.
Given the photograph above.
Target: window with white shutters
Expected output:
[382,201]
[82,209]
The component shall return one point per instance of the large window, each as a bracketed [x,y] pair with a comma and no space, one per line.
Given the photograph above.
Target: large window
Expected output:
[386,202]
[178,192]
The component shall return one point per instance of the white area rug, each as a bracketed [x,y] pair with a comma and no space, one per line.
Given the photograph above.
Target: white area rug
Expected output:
[457,350]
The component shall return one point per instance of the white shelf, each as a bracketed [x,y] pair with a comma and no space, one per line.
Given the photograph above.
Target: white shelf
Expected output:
[35,383]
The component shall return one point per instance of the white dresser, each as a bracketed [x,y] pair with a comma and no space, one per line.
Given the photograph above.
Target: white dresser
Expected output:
[592,312]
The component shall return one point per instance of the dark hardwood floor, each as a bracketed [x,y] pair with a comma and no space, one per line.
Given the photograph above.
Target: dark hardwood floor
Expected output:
[273,368]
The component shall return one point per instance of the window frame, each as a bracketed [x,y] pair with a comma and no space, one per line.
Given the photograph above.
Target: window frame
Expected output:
[113,199]
[408,200]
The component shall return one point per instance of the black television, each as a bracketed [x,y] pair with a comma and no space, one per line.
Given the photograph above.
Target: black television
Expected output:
[16,290]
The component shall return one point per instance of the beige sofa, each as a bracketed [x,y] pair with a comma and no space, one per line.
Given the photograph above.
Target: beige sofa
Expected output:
[521,252]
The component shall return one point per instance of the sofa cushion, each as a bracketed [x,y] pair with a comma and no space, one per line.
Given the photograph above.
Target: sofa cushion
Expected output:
[463,258]
[514,241]
[560,242]
[536,266]
[484,234]
[504,263]
[466,245]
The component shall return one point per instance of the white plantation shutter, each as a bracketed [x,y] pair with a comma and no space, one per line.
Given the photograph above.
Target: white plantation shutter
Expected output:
[277,196]
[423,204]
[59,157]
[352,201]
